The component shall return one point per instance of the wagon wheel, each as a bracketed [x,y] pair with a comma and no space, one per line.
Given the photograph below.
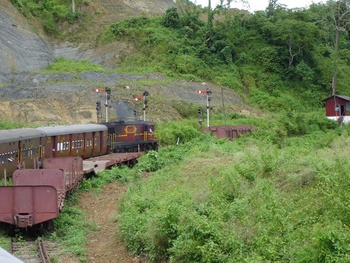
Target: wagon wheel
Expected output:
[49,225]
[41,229]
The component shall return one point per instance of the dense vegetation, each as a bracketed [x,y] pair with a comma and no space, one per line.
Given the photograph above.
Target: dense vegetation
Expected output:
[278,60]
[278,195]
[250,200]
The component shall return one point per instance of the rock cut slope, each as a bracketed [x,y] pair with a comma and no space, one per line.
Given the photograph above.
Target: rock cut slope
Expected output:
[46,99]
[21,50]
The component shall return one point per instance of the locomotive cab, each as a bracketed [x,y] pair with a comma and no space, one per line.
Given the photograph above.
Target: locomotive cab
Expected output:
[131,136]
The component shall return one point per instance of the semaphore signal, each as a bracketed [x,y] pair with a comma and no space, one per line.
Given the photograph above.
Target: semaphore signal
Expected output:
[138,97]
[143,95]
[208,93]
[98,90]
[108,96]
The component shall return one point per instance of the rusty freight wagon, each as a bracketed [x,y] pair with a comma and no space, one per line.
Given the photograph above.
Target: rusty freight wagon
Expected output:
[37,195]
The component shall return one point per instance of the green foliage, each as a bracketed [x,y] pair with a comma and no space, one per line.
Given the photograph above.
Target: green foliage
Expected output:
[4,241]
[296,123]
[177,132]
[8,124]
[71,230]
[61,65]
[153,162]
[250,200]
[186,109]
[278,51]
[171,18]
[277,195]
[122,174]
[51,12]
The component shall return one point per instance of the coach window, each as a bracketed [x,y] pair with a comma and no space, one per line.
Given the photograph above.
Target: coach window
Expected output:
[65,146]
[10,157]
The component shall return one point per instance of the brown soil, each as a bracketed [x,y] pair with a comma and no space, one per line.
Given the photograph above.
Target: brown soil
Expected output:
[105,245]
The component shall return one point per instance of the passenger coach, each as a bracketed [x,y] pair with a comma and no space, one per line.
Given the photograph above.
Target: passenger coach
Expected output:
[83,140]
[20,148]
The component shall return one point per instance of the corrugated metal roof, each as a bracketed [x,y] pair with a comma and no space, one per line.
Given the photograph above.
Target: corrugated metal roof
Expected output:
[6,257]
[19,134]
[72,129]
[347,98]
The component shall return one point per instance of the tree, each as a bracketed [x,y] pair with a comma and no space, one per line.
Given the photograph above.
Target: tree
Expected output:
[270,10]
[291,32]
[341,19]
[172,18]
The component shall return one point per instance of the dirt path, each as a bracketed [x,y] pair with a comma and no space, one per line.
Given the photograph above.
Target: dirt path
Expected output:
[105,244]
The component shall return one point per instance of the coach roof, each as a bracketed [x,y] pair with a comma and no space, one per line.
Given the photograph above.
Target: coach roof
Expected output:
[72,129]
[13,135]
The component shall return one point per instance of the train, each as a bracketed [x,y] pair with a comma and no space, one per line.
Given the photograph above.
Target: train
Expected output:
[26,148]
[47,163]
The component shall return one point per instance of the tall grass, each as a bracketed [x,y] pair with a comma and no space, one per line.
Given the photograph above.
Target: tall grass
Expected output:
[248,200]
[61,65]
[9,124]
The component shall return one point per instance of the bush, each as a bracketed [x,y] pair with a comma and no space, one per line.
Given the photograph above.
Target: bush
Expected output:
[176,132]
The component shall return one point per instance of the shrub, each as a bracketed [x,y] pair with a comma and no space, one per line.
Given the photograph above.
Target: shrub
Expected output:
[176,132]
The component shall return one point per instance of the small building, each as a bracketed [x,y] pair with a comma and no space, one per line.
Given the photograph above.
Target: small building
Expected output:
[338,108]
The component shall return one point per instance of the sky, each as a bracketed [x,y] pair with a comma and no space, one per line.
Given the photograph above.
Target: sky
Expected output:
[256,5]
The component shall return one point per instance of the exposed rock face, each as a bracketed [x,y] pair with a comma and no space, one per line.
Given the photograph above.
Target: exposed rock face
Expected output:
[45,99]
[150,6]
[21,50]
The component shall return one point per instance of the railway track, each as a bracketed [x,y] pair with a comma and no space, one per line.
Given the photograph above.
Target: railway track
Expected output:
[30,250]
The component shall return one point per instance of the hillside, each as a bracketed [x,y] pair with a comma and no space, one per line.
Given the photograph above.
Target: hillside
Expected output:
[277,195]
[44,99]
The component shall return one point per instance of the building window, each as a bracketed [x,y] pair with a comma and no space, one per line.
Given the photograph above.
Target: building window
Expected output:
[348,106]
[337,107]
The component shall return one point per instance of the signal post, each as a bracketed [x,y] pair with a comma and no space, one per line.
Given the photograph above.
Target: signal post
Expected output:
[200,111]
[144,97]
[107,91]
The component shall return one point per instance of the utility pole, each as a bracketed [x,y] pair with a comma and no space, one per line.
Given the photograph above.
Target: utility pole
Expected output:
[223,104]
